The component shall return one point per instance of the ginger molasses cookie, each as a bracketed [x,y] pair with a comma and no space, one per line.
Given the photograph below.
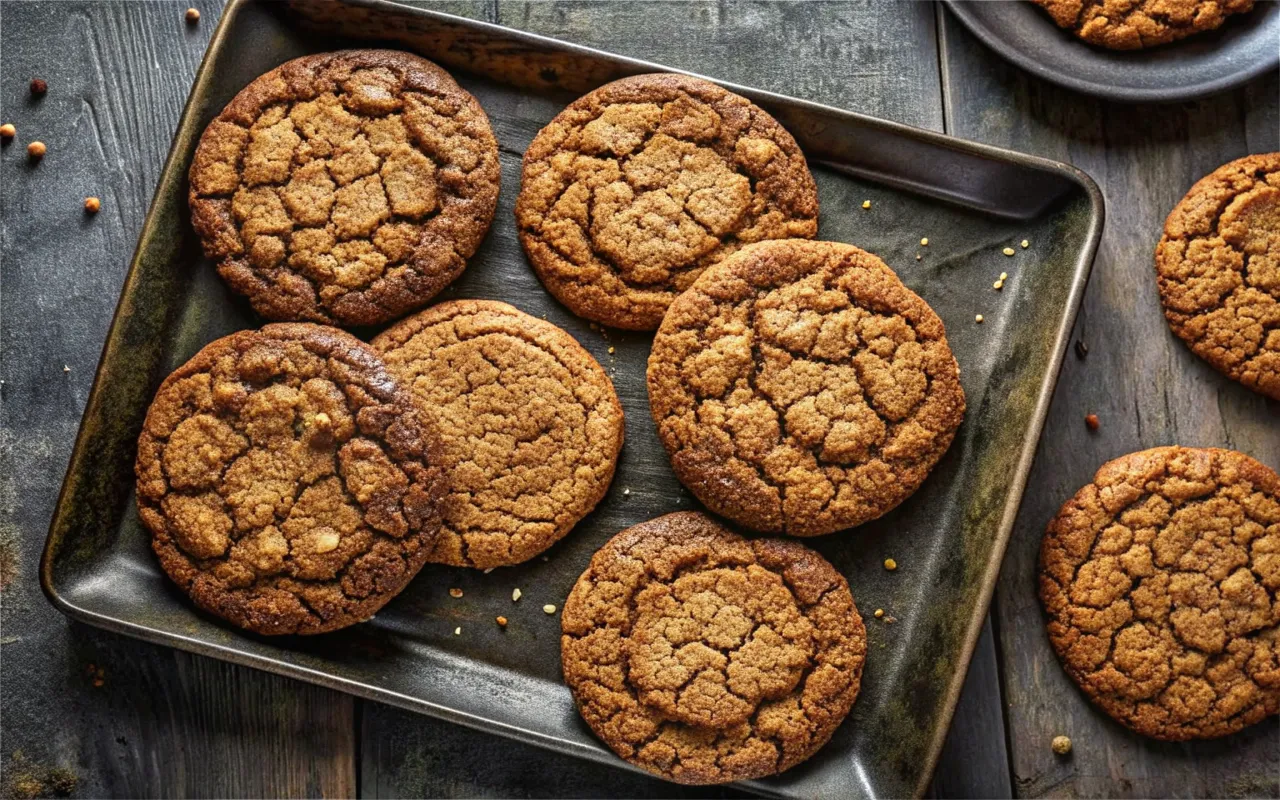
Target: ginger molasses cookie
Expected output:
[289,483]
[1218,268]
[636,187]
[1159,579]
[529,423]
[1134,24]
[346,188]
[800,388]
[704,657]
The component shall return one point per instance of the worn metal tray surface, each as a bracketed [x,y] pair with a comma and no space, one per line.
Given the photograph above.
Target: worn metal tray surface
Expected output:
[969,200]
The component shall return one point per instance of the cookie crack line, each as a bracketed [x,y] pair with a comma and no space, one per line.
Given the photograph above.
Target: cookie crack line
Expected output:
[379,151]
[800,387]
[687,172]
[336,483]
[1205,267]
[670,551]
[1157,592]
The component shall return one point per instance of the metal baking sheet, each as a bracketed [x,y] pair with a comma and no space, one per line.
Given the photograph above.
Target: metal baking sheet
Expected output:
[969,200]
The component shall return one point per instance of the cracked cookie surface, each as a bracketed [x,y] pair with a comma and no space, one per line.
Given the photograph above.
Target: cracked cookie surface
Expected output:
[1135,24]
[638,186]
[1160,581]
[1218,268]
[288,482]
[345,188]
[800,387]
[705,657]
[529,423]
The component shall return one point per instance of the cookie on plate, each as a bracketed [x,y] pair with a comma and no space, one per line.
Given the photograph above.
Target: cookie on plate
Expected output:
[1218,267]
[636,187]
[1135,24]
[346,188]
[1159,580]
[288,482]
[799,387]
[530,426]
[705,657]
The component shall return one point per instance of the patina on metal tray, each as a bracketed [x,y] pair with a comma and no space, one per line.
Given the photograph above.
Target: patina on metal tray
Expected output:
[971,202]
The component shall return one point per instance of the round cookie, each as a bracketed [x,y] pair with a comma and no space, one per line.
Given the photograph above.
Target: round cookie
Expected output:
[1135,24]
[799,387]
[1218,267]
[288,482]
[1159,580]
[529,423]
[704,657]
[635,188]
[345,188]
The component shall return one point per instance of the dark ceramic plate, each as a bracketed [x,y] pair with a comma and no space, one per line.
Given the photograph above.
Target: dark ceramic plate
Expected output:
[1246,46]
[970,200]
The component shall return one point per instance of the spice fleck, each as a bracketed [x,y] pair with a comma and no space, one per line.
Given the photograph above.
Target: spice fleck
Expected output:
[38,87]
[890,564]
[1061,745]
[502,621]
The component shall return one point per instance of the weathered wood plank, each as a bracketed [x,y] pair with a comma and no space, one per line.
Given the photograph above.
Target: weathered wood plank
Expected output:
[1144,384]
[161,723]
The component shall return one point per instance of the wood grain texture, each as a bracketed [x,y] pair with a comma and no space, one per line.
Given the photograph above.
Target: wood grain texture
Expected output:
[162,723]
[1146,387]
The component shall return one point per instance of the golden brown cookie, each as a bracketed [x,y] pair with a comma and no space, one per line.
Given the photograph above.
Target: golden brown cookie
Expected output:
[636,187]
[289,484]
[1218,266]
[530,426]
[346,188]
[1160,581]
[1134,24]
[800,388]
[704,657]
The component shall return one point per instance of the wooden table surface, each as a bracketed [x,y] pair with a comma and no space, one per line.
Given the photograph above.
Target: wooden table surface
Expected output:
[125,718]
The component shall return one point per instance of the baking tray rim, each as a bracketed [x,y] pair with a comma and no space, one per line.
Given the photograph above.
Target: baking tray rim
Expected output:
[173,170]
